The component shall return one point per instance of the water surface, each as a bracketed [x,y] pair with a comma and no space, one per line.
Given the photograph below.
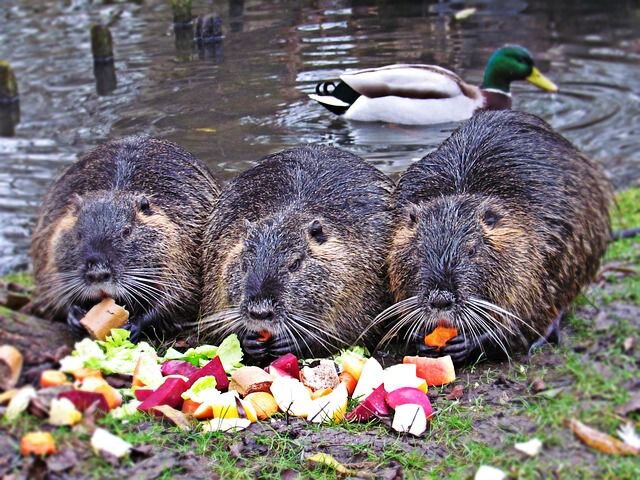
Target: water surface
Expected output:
[234,101]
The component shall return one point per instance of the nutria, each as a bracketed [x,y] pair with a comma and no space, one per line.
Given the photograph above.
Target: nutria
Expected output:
[296,248]
[496,233]
[125,221]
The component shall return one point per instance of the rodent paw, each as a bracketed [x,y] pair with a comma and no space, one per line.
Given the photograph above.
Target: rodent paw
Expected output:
[134,329]
[74,315]
[427,350]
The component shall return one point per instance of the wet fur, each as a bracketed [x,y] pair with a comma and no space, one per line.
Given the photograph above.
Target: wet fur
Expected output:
[262,226]
[507,211]
[156,266]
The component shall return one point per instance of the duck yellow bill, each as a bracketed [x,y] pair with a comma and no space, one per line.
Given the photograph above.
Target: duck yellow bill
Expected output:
[540,81]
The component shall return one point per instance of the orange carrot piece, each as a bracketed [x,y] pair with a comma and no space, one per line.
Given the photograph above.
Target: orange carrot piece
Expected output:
[440,336]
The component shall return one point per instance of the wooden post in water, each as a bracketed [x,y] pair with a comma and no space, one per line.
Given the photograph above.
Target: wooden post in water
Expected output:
[101,44]
[103,59]
[181,12]
[9,100]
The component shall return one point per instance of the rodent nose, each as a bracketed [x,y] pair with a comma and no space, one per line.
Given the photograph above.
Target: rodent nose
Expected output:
[260,313]
[441,300]
[98,275]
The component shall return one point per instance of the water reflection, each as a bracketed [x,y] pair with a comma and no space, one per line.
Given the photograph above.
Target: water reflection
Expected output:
[246,96]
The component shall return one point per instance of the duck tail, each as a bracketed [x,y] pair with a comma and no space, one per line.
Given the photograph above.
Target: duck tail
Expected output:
[335,98]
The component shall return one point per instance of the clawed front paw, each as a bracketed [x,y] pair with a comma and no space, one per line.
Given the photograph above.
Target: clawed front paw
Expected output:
[134,329]
[74,315]
[263,351]
[459,348]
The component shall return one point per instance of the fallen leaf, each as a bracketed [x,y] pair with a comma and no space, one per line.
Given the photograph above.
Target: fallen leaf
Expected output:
[600,441]
[174,416]
[464,13]
[531,448]
[538,385]
[329,461]
[628,434]
[550,393]
[455,393]
[632,406]
[206,130]
[486,472]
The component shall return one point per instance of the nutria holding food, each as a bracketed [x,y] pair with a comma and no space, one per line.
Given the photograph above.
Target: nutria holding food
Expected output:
[125,221]
[496,233]
[295,252]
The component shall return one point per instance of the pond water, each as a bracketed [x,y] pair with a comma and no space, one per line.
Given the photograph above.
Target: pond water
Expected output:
[232,102]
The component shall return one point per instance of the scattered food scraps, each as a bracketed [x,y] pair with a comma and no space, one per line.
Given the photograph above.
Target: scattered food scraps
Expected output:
[600,441]
[530,448]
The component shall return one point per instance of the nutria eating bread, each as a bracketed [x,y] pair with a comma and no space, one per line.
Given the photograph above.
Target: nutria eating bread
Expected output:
[294,255]
[497,231]
[125,221]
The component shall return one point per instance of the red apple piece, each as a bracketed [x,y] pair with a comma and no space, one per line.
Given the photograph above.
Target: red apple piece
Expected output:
[83,400]
[214,368]
[169,393]
[288,364]
[412,395]
[436,371]
[372,406]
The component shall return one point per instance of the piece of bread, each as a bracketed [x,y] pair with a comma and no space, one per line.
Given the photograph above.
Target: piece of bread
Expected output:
[103,317]
[10,366]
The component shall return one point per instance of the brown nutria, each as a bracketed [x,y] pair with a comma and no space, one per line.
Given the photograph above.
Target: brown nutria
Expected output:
[297,247]
[125,221]
[497,231]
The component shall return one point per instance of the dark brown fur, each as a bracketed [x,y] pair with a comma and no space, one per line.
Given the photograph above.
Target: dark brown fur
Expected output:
[506,211]
[125,221]
[297,246]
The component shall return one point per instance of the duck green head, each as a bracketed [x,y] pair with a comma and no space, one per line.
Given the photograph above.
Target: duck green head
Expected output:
[513,63]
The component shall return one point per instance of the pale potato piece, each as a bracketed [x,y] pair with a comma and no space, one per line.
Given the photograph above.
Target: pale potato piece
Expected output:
[10,366]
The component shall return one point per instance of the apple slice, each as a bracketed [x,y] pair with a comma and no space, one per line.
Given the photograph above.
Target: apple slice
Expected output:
[331,407]
[370,379]
[402,375]
[215,368]
[291,396]
[83,400]
[224,406]
[225,425]
[100,385]
[372,406]
[104,441]
[63,413]
[410,418]
[287,364]
[436,371]
[104,316]
[178,367]
[411,395]
[353,363]
[147,372]
[263,403]
[169,393]
[52,378]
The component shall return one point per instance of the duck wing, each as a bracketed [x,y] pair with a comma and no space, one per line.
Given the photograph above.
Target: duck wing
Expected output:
[408,81]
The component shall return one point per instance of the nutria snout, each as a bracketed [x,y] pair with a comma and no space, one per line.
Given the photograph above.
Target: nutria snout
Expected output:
[496,233]
[125,221]
[297,248]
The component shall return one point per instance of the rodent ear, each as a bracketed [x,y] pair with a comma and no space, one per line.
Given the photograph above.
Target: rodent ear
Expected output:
[76,202]
[144,205]
[412,214]
[316,231]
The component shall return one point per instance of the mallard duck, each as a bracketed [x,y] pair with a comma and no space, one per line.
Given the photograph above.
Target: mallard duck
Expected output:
[426,94]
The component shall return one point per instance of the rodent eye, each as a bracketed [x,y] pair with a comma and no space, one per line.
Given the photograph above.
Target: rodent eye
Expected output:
[490,218]
[295,265]
[145,207]
[126,231]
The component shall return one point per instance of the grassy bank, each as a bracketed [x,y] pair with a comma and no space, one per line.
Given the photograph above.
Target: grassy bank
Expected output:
[589,377]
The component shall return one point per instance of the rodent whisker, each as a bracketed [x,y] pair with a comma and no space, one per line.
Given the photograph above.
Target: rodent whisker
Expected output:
[399,308]
[302,325]
[484,324]
[283,328]
[504,313]
[399,325]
